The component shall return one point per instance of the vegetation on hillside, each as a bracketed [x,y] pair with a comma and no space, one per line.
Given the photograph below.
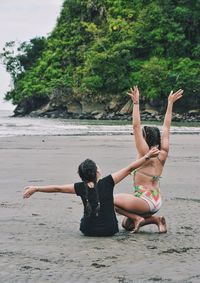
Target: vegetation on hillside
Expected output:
[99,49]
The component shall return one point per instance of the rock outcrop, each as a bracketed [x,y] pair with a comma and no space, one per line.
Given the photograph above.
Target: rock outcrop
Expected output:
[60,105]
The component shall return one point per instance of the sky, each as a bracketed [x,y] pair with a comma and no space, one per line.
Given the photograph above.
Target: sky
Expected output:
[22,20]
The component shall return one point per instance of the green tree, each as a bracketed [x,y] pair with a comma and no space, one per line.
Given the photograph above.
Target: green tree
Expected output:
[98,49]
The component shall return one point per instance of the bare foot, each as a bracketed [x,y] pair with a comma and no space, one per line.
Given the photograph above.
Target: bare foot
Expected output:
[162,225]
[139,221]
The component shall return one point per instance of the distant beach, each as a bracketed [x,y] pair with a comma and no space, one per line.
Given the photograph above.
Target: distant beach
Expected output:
[40,239]
[29,126]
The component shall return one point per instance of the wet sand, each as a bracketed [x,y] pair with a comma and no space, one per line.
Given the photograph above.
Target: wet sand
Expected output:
[40,239]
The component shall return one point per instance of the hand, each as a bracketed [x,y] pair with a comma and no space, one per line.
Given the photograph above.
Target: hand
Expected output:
[175,96]
[134,94]
[153,152]
[29,191]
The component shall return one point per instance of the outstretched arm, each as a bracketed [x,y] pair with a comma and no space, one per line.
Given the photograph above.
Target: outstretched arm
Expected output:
[121,174]
[167,122]
[140,142]
[30,190]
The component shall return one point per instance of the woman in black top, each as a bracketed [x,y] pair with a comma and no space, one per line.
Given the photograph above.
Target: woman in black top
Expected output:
[99,217]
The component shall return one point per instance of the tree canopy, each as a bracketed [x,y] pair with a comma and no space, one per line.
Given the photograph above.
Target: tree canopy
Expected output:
[99,49]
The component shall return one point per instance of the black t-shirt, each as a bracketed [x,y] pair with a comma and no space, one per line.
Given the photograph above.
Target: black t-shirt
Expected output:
[105,223]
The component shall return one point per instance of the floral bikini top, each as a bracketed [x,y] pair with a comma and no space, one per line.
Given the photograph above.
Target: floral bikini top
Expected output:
[154,177]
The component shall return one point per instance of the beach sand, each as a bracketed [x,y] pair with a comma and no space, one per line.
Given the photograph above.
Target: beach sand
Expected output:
[40,239]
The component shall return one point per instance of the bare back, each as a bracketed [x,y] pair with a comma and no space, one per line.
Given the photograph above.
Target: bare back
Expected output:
[148,175]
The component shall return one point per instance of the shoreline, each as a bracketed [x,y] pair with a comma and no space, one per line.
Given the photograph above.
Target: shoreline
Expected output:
[20,126]
[27,126]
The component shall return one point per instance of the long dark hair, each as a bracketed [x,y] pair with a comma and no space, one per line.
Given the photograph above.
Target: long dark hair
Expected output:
[152,136]
[87,171]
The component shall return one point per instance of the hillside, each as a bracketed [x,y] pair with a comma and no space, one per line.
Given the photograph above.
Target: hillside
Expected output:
[99,49]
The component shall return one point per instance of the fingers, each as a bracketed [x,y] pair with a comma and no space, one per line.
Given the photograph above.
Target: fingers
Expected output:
[26,195]
[133,91]
[130,94]
[154,148]
[154,151]
[180,91]
[178,94]
[28,192]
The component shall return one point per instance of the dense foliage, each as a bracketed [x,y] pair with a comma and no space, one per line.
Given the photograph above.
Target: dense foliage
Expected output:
[99,49]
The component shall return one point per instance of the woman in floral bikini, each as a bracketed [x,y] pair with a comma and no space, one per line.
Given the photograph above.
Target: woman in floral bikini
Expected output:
[139,207]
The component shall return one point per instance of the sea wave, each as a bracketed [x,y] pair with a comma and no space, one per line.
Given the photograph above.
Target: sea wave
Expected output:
[27,126]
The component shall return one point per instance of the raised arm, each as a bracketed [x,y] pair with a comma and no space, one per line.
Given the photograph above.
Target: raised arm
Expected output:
[30,190]
[121,174]
[140,142]
[167,121]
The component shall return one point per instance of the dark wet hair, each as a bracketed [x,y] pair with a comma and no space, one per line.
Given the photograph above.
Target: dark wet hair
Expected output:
[87,171]
[152,136]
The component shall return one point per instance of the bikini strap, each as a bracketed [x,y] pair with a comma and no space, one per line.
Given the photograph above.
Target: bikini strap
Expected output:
[133,172]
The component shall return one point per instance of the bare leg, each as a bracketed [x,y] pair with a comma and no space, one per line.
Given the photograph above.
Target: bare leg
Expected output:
[137,221]
[160,221]
[132,207]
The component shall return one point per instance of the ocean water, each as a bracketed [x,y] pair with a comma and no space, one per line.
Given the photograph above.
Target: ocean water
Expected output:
[28,126]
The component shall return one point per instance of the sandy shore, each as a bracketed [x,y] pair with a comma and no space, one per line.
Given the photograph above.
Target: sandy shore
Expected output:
[40,239]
